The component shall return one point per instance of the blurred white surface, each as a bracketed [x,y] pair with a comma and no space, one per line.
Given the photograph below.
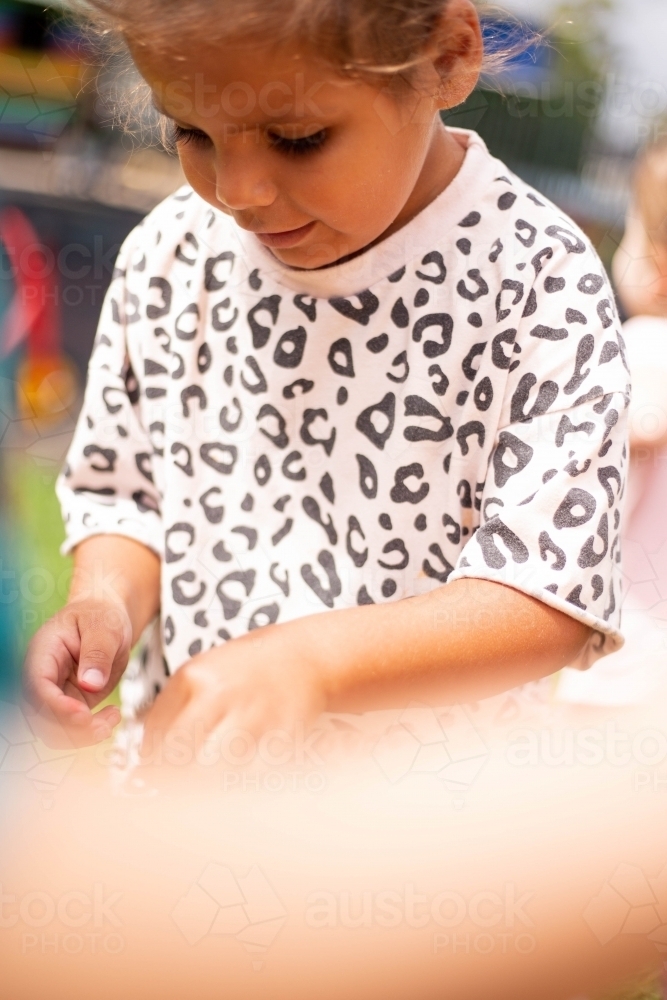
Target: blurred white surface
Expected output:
[136,180]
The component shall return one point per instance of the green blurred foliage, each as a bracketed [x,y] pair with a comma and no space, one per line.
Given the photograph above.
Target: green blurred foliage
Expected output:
[580,40]
[546,117]
[40,574]
[538,130]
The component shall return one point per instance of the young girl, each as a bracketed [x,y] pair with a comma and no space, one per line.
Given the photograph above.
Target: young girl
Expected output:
[356,367]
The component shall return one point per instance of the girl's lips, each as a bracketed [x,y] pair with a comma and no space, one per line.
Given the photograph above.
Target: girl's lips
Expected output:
[288,238]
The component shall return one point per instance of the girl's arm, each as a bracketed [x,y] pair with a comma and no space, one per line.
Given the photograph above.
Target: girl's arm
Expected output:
[466,640]
[116,569]
[111,509]
[78,657]
[470,639]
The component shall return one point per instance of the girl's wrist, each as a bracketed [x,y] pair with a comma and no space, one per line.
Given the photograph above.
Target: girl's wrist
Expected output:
[113,600]
[320,651]
[114,606]
[296,647]
[120,573]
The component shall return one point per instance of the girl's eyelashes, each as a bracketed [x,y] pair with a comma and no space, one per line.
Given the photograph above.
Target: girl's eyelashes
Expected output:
[182,135]
[301,146]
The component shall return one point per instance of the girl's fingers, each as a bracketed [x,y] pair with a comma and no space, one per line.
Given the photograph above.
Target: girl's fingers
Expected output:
[47,683]
[49,661]
[64,718]
[74,731]
[100,646]
[187,722]
[66,706]
[84,714]
[104,721]
[177,726]
[249,721]
[165,709]
[60,711]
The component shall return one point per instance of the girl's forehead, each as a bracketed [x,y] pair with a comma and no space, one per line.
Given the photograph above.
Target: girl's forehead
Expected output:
[253,85]
[238,71]
[230,61]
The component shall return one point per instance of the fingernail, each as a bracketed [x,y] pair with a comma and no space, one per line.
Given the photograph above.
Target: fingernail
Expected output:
[93,678]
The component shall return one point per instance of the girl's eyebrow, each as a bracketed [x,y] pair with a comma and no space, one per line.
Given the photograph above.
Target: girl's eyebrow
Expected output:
[157,105]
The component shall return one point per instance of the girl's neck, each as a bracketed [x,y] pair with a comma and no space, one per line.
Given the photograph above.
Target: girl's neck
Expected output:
[443,161]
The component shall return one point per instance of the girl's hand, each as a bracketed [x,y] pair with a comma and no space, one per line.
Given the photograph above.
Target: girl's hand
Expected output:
[74,662]
[255,684]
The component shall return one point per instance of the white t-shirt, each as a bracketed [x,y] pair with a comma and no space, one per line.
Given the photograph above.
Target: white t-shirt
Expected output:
[450,403]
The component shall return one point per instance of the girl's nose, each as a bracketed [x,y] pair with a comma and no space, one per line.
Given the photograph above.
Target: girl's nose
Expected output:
[242,185]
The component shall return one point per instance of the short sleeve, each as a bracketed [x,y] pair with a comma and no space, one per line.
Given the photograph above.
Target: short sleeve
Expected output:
[107,484]
[551,507]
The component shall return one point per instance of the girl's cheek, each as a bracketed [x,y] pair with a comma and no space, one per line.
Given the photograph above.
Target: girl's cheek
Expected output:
[199,172]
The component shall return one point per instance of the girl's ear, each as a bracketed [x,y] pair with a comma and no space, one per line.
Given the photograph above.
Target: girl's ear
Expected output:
[456,52]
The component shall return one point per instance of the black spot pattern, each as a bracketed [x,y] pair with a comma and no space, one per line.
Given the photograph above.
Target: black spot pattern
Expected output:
[465,415]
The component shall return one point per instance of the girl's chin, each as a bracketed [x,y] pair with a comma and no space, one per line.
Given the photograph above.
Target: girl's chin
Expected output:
[311,258]
[288,239]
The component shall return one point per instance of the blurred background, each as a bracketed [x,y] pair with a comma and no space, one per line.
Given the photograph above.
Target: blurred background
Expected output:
[569,115]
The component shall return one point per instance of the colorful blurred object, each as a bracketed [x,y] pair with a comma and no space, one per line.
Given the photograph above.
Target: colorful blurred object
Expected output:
[56,259]
[41,74]
[46,380]
[37,97]
[40,391]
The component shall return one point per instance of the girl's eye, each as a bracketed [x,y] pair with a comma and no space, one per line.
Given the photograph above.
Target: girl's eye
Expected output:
[298,147]
[184,135]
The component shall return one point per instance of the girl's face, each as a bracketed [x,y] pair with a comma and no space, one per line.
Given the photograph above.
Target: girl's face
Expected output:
[321,165]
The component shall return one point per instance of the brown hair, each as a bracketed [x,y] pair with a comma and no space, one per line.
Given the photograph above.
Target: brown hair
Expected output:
[357,37]
[651,192]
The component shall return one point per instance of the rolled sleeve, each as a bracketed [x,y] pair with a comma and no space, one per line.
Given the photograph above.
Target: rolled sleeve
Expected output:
[551,528]
[550,515]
